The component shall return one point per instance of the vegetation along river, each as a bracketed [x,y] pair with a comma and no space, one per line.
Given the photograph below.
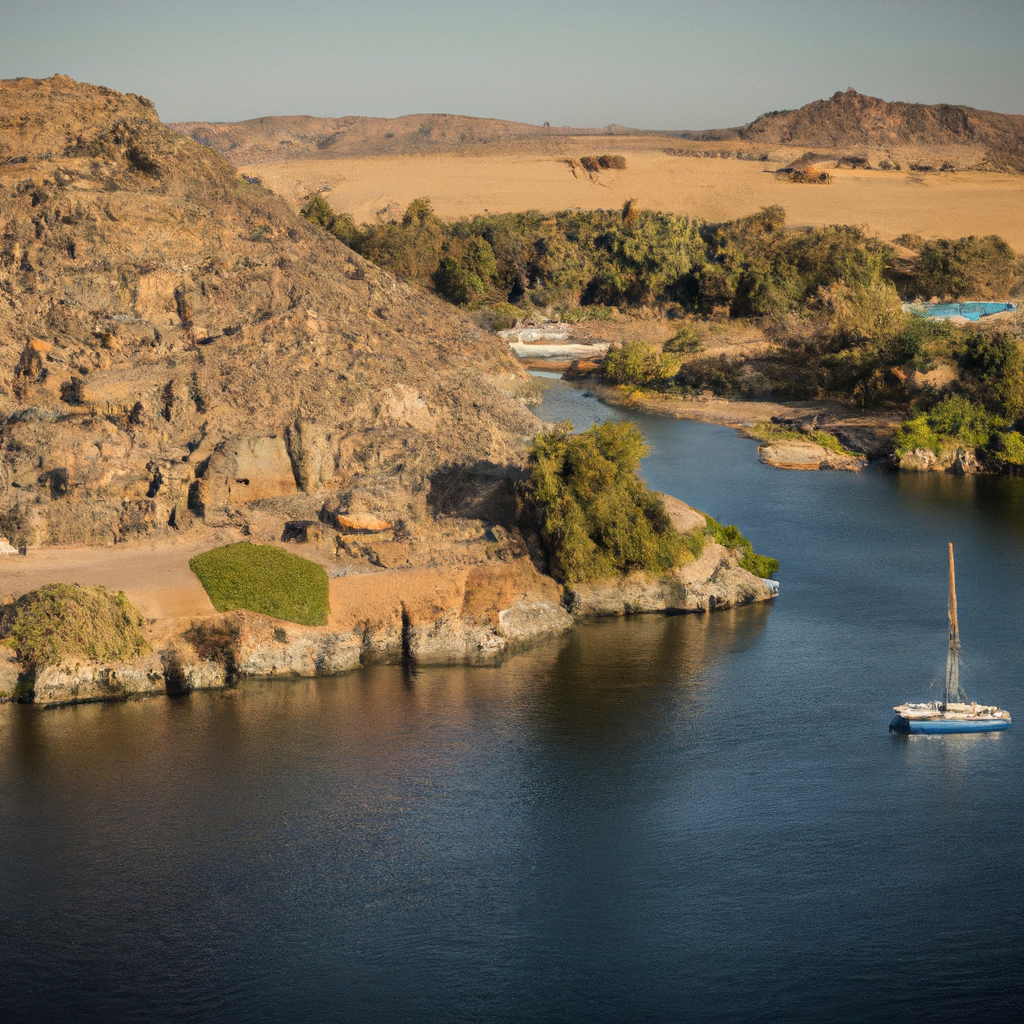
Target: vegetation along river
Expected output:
[655,819]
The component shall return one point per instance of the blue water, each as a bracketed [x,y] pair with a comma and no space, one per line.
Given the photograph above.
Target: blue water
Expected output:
[973,311]
[657,819]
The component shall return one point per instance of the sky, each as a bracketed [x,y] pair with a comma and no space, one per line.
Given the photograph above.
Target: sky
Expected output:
[641,63]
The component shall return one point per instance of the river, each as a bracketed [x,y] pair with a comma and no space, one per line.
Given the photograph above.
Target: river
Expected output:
[683,818]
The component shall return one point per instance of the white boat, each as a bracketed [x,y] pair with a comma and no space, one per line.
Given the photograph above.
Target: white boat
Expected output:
[954,713]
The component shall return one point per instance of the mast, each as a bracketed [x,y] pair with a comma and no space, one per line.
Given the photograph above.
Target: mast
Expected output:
[954,694]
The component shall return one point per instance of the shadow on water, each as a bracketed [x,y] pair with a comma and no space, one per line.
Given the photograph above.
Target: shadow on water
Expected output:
[614,678]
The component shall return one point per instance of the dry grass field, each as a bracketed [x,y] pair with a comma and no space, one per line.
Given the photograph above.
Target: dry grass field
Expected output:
[887,203]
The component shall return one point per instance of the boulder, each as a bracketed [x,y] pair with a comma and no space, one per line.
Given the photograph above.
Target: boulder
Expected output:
[919,460]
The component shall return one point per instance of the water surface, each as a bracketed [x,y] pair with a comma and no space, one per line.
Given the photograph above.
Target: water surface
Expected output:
[664,819]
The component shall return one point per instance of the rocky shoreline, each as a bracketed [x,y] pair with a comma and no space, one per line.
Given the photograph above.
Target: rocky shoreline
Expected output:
[454,598]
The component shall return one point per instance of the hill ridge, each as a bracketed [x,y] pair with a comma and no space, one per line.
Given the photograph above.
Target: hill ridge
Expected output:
[845,120]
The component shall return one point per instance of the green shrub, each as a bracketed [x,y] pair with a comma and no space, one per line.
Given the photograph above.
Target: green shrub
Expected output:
[343,227]
[731,537]
[759,565]
[266,580]
[915,434]
[598,519]
[636,363]
[64,622]
[961,421]
[993,370]
[1011,447]
[317,210]
[955,422]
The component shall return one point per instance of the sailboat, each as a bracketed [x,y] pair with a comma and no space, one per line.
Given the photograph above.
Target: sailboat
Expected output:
[954,713]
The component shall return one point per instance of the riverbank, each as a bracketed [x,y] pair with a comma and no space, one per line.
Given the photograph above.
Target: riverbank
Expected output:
[869,433]
[426,591]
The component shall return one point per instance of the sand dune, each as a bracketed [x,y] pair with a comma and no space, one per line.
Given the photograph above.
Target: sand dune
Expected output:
[887,203]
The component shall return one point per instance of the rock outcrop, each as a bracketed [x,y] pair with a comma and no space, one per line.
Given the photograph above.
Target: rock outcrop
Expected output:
[176,344]
[796,454]
[958,461]
[712,582]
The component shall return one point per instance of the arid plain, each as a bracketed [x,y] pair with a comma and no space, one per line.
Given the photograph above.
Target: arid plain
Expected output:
[887,203]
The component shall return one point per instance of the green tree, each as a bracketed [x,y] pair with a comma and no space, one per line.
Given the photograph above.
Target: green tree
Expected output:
[317,210]
[598,519]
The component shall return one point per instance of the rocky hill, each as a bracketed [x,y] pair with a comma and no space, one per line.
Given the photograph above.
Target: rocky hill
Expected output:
[850,121]
[176,343]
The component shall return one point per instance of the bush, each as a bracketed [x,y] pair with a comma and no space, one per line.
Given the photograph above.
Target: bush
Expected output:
[976,268]
[317,210]
[636,363]
[731,537]
[688,338]
[265,580]
[961,421]
[955,422]
[343,227]
[64,622]
[1011,447]
[993,368]
[915,434]
[598,519]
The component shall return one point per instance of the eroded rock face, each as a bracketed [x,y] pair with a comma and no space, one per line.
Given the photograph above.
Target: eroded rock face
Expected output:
[959,462]
[454,615]
[175,342]
[920,460]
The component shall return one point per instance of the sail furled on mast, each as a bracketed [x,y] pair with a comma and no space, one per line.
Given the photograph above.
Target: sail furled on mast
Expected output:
[954,691]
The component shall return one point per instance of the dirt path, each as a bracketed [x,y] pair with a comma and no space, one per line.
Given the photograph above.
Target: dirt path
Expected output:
[156,577]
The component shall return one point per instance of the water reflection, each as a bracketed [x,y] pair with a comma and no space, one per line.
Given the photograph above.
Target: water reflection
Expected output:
[613,678]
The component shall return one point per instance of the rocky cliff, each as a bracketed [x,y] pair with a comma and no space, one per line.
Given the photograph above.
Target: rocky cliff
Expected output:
[175,343]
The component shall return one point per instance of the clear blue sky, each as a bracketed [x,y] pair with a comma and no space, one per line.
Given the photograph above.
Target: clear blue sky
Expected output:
[643,63]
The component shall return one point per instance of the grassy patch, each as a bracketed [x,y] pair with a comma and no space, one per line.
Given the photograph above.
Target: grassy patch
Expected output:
[773,432]
[65,622]
[266,580]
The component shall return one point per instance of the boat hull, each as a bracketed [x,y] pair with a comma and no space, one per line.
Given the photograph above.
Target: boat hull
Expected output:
[943,725]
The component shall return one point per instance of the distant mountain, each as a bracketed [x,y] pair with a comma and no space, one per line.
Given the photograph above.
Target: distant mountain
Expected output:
[849,120]
[273,139]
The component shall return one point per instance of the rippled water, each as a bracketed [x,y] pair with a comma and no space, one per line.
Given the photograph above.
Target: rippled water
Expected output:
[665,819]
